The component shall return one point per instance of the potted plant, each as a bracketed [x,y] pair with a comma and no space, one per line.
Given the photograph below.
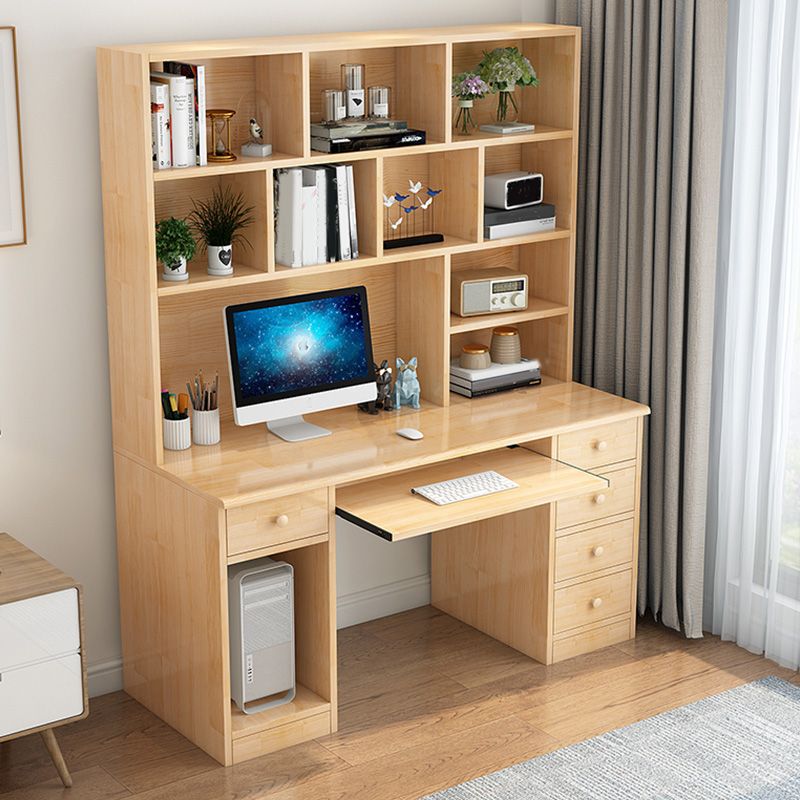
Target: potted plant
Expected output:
[175,245]
[467,88]
[219,222]
[505,68]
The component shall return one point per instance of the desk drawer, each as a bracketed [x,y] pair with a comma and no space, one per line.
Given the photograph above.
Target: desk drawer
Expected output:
[605,444]
[597,548]
[593,639]
[274,521]
[592,601]
[39,628]
[39,694]
[618,498]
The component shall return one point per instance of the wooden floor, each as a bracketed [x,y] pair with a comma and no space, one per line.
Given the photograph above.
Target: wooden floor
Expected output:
[425,702]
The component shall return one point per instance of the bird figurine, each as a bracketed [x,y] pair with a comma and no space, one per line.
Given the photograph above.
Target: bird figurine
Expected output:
[425,205]
[395,225]
[256,131]
[409,209]
[414,187]
[389,201]
[433,192]
[400,197]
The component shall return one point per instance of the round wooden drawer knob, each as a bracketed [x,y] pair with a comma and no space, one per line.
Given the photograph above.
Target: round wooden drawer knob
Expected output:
[598,551]
[282,521]
[599,499]
[601,445]
[597,602]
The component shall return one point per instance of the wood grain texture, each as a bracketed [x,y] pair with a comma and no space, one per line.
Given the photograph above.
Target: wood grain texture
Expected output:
[260,525]
[594,549]
[600,446]
[173,605]
[130,255]
[496,575]
[475,688]
[249,466]
[618,498]
[387,503]
[577,644]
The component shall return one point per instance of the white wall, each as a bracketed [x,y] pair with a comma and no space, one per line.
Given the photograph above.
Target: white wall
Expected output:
[56,483]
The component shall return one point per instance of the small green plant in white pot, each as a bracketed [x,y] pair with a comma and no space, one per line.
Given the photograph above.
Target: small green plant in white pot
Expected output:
[219,222]
[175,245]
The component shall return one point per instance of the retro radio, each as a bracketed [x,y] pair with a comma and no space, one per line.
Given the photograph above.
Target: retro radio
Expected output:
[488,291]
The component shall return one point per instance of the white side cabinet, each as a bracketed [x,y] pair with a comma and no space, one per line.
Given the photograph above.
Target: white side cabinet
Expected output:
[42,671]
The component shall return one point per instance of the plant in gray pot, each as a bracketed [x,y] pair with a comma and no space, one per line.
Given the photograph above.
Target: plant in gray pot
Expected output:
[219,221]
[175,245]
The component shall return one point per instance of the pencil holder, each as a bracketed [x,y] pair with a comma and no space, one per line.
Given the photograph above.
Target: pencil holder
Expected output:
[205,427]
[177,434]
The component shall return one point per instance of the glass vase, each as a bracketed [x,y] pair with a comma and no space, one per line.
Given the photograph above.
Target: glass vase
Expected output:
[506,106]
[464,121]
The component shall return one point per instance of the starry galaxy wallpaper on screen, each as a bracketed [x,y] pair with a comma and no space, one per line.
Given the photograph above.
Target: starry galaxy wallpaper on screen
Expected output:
[291,348]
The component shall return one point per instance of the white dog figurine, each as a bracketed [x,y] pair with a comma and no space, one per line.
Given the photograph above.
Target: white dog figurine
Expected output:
[406,385]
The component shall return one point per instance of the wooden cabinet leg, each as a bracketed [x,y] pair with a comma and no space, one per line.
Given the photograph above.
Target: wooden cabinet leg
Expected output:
[51,743]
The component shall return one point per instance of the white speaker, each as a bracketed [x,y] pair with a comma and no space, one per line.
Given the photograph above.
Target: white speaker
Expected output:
[261,617]
[513,189]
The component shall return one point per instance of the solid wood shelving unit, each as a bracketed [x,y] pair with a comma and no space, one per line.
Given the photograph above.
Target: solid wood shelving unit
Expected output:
[184,517]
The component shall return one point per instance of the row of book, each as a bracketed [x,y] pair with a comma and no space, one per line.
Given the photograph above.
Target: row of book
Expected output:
[315,215]
[178,115]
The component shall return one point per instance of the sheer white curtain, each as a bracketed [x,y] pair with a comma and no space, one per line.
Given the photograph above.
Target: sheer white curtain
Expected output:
[753,591]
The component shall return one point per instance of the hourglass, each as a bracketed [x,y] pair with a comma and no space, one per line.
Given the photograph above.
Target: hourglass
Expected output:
[220,127]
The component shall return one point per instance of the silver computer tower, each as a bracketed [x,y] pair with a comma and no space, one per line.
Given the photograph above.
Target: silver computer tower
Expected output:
[261,611]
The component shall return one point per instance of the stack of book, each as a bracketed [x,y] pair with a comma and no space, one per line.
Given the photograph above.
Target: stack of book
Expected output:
[496,378]
[178,115]
[315,215]
[353,136]
[500,223]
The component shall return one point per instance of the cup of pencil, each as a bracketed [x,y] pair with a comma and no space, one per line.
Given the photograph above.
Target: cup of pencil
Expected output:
[177,426]
[205,409]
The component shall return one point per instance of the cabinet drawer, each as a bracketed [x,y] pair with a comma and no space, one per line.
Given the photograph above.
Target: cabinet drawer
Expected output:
[618,498]
[605,444]
[274,521]
[39,628]
[592,601]
[594,549]
[594,639]
[292,733]
[40,694]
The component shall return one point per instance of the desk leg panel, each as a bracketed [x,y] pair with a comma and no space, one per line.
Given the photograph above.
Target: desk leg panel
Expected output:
[173,605]
[497,575]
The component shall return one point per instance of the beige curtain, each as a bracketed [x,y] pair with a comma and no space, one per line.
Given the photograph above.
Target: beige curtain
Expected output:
[650,144]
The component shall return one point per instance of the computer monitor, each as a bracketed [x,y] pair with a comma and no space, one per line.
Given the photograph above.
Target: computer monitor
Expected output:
[295,355]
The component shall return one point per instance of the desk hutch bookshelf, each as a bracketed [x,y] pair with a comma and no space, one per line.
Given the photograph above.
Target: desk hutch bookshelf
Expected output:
[184,517]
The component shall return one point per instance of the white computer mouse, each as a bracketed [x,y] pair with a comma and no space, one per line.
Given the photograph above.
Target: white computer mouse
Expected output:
[410,433]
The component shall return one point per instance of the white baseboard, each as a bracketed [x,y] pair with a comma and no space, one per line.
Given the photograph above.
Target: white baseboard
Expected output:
[381,601]
[351,609]
[105,677]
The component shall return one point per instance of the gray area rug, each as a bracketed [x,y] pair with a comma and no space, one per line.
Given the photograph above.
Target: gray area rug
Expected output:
[743,743]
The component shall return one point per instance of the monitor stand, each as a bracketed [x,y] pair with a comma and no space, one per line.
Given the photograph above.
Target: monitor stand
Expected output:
[296,429]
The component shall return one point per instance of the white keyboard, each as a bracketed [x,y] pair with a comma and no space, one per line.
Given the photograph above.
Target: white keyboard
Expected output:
[465,488]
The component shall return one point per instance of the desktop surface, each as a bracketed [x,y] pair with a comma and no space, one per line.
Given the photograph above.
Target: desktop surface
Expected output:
[248,465]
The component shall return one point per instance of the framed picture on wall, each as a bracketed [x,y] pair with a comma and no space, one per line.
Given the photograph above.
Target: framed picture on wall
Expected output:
[12,195]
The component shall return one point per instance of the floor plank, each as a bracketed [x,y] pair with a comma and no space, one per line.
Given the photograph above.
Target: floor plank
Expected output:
[425,702]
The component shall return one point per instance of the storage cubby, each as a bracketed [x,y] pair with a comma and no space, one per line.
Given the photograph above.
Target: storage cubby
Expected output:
[552,159]
[174,199]
[550,106]
[544,338]
[414,74]
[369,235]
[455,211]
[267,87]
[315,656]
[545,263]
[193,335]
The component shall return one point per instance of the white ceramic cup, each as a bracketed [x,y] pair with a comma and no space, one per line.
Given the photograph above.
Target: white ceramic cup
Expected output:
[205,427]
[177,434]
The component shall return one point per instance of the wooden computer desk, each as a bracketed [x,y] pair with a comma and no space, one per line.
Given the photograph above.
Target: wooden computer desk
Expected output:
[549,568]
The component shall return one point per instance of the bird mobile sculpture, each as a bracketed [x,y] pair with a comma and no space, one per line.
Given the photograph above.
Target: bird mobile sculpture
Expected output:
[416,207]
